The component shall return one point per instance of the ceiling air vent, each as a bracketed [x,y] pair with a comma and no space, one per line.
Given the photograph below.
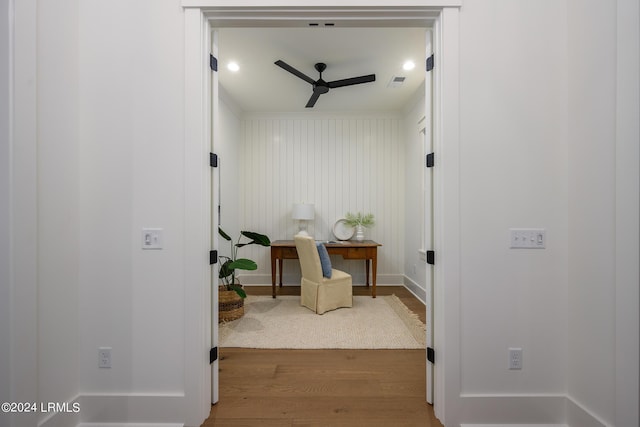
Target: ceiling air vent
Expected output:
[396,81]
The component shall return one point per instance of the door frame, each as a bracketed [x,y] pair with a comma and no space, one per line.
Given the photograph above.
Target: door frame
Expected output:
[197,212]
[200,18]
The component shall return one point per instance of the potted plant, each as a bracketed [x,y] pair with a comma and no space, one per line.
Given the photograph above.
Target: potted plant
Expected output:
[359,221]
[230,292]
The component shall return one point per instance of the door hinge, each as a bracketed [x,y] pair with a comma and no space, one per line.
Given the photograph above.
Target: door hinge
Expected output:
[431,355]
[213,62]
[431,257]
[430,63]
[213,355]
[213,257]
[430,160]
[213,160]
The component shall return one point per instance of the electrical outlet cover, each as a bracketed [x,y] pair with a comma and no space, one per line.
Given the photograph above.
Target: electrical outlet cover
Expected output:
[104,357]
[515,358]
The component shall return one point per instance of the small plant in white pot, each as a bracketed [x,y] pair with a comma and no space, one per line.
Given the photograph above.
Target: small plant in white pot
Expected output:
[360,221]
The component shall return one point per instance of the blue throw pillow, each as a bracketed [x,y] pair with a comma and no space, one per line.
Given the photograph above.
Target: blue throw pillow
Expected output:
[325,261]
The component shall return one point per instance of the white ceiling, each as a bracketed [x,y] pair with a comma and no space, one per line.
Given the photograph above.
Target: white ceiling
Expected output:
[261,86]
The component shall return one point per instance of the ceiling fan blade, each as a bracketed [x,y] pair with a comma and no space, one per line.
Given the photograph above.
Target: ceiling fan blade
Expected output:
[293,71]
[352,81]
[313,99]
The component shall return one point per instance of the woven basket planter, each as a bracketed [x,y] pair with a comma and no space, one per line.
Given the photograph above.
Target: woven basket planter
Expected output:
[230,305]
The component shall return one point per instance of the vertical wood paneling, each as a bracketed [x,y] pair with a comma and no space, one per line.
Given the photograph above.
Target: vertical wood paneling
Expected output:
[339,163]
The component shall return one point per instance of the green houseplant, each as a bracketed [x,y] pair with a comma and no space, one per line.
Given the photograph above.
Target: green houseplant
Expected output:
[230,293]
[230,264]
[359,221]
[364,220]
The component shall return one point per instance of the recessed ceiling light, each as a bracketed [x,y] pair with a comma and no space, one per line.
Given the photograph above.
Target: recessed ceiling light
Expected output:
[408,65]
[233,66]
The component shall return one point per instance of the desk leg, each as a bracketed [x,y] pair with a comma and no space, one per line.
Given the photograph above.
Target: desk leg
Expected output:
[367,262]
[273,276]
[374,266]
[280,270]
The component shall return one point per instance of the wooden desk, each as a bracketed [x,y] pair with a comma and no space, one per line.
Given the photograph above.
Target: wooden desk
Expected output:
[348,249]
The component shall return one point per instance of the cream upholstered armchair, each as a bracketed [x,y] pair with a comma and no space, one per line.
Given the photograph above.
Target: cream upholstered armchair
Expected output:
[318,292]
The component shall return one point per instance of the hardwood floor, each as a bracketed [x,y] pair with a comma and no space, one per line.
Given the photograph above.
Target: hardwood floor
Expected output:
[324,387]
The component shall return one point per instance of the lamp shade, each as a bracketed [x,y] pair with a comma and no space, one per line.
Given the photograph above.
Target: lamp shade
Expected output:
[303,211]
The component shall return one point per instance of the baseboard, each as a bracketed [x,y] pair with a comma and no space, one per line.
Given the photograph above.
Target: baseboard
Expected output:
[415,289]
[128,425]
[514,425]
[579,416]
[526,411]
[121,410]
[513,410]
[69,417]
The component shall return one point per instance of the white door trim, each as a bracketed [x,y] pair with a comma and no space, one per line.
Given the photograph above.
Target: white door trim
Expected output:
[197,214]
[214,138]
[426,132]
[446,218]
[198,14]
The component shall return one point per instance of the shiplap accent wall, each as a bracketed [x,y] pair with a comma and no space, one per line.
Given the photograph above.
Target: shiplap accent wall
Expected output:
[340,163]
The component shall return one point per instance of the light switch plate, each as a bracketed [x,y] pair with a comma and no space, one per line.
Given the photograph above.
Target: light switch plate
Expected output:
[528,238]
[152,238]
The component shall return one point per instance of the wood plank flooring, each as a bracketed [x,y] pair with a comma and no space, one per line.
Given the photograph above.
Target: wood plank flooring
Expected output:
[324,387]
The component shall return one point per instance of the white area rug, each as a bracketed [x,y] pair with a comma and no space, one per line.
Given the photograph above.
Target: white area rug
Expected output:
[372,323]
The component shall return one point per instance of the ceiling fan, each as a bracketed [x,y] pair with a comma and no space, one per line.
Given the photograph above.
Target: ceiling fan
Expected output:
[320,86]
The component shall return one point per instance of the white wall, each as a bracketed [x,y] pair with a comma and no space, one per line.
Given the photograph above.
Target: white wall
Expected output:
[23,344]
[58,205]
[523,126]
[513,158]
[5,221]
[592,209]
[131,176]
[546,142]
[414,268]
[229,169]
[603,211]
[341,163]
[627,216]
[98,153]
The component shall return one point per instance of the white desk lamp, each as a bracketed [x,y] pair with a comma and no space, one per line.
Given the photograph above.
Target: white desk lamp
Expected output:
[303,212]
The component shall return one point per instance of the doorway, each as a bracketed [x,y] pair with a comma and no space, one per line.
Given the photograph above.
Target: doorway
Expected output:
[198,23]
[357,147]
